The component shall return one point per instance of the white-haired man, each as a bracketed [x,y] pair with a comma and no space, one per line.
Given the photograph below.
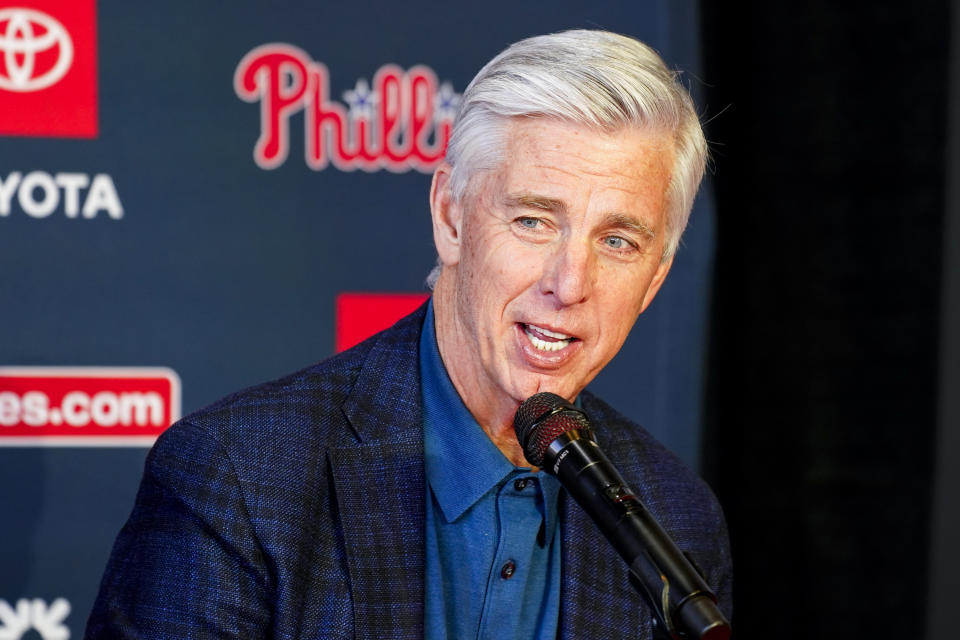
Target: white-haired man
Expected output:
[383,493]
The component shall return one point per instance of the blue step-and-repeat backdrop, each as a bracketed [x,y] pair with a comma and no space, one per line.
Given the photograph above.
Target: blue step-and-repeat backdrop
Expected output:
[199,196]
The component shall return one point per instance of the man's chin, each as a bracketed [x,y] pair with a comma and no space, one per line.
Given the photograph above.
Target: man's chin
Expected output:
[537,383]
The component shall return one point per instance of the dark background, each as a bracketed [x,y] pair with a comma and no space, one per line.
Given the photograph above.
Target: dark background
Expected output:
[831,318]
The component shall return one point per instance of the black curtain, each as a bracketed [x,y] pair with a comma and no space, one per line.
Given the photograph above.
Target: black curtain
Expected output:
[827,123]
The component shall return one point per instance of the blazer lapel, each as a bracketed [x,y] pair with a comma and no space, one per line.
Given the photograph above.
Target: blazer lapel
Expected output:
[380,486]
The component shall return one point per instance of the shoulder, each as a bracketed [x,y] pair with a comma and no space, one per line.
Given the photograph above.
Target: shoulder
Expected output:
[630,441]
[669,488]
[242,496]
[274,433]
[677,497]
[308,404]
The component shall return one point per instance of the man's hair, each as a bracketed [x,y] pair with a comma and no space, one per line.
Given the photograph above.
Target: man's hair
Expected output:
[597,79]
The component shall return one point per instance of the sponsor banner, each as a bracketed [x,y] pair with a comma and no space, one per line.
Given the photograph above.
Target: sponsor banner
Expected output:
[86,406]
[34,616]
[39,195]
[400,121]
[48,68]
[360,315]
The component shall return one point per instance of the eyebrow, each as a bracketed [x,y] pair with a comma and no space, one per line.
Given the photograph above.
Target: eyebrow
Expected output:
[623,221]
[537,202]
[614,220]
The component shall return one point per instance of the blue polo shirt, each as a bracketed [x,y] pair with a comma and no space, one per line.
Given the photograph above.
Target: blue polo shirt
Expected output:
[493,543]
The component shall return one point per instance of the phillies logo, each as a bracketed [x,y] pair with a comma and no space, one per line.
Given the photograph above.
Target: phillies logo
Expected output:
[399,121]
[36,50]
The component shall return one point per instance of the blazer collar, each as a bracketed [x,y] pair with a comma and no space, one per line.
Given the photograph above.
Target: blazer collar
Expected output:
[384,405]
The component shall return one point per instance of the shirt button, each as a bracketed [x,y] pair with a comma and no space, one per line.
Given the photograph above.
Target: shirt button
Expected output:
[520,484]
[508,569]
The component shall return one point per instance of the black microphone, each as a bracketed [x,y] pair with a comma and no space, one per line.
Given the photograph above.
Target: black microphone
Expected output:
[556,436]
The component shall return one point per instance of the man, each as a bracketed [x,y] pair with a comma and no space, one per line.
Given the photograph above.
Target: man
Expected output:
[382,493]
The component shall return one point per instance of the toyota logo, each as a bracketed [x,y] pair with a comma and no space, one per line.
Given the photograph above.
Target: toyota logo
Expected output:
[35,50]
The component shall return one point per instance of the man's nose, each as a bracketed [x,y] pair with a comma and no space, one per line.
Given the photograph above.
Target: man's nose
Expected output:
[570,273]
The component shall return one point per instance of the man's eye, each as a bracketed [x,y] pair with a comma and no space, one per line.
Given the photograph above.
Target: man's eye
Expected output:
[529,223]
[616,242]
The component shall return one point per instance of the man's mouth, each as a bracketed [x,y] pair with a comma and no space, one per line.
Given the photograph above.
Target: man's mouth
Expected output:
[545,339]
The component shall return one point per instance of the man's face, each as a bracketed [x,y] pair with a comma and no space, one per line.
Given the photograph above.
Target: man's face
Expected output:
[550,259]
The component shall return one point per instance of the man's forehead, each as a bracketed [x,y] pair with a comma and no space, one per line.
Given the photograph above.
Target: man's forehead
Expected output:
[553,166]
[520,130]
[552,148]
[519,134]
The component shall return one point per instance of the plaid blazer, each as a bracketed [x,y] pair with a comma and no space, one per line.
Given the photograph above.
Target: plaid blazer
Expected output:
[296,510]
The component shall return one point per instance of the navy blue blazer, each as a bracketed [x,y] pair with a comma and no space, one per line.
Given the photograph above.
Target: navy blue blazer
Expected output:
[296,510]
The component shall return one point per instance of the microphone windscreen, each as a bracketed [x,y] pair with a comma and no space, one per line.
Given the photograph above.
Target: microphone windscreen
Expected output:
[542,418]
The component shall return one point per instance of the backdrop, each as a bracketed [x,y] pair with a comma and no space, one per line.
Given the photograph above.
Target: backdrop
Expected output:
[835,272]
[191,196]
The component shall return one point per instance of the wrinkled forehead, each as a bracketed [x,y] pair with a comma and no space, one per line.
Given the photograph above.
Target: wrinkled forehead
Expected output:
[536,136]
[545,159]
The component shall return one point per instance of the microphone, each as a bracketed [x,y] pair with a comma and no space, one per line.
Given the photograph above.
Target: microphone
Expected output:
[556,436]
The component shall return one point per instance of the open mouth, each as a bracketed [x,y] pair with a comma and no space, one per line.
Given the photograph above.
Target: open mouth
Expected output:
[546,340]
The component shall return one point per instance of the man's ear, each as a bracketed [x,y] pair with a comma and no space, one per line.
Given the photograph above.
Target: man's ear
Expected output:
[447,217]
[661,274]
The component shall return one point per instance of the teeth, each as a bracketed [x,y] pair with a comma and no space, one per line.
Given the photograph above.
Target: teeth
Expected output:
[543,345]
[552,334]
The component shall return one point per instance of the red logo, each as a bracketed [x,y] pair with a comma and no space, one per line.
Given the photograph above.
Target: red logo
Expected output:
[400,121]
[48,69]
[360,315]
[86,406]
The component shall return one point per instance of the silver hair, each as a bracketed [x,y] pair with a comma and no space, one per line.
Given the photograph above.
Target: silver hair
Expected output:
[597,79]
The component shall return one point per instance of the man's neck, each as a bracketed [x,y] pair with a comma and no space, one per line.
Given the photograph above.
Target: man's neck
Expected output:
[490,408]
